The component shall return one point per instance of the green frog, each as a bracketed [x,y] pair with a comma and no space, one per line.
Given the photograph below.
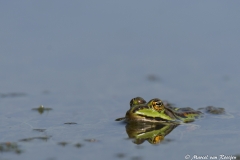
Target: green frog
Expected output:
[155,111]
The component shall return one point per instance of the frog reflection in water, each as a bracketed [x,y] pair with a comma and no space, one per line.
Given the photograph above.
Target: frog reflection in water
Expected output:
[153,133]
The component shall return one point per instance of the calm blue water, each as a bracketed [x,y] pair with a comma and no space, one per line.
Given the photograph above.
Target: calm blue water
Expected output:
[86,60]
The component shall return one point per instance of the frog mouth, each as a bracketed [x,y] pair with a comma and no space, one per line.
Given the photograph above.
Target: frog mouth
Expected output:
[158,119]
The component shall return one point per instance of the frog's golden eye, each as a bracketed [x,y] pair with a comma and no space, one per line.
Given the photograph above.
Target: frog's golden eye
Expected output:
[157,104]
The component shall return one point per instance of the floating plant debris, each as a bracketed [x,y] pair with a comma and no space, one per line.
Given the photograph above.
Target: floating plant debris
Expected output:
[41,109]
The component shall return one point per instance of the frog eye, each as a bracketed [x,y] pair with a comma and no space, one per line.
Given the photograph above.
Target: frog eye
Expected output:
[157,104]
[137,101]
[141,101]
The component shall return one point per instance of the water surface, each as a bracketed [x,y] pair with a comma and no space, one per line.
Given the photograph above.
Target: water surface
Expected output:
[86,60]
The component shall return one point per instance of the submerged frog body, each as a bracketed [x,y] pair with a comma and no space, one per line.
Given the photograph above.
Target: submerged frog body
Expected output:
[156,111]
[213,110]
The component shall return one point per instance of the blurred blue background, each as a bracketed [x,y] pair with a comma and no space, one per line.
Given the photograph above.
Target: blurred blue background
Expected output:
[109,47]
